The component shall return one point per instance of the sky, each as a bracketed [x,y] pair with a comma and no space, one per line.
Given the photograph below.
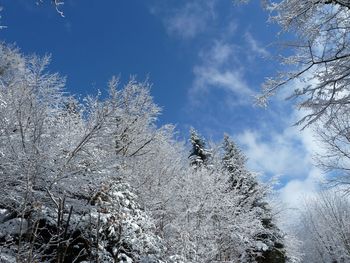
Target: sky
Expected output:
[206,61]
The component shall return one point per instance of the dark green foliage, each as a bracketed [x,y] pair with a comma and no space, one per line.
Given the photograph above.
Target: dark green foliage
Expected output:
[253,195]
[199,154]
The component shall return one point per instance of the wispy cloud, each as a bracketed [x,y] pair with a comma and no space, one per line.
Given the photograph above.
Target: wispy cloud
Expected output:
[296,190]
[190,19]
[221,96]
[275,155]
[215,71]
[288,153]
[255,45]
[222,63]
[292,197]
[207,77]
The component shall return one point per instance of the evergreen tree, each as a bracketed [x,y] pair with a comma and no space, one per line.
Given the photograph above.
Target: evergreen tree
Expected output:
[268,243]
[199,154]
[233,162]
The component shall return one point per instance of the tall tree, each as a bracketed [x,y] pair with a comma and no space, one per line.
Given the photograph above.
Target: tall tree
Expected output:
[199,155]
[233,161]
[252,195]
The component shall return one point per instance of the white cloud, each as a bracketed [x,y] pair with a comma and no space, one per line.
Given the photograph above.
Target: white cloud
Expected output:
[255,46]
[288,153]
[276,153]
[296,191]
[219,53]
[221,64]
[191,19]
[292,198]
[277,147]
[212,77]
[216,71]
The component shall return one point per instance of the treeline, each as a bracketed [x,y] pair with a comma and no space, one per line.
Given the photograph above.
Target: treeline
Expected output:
[95,180]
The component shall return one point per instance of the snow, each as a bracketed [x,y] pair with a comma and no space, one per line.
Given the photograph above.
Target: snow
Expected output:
[4,213]
[154,205]
[13,227]
[7,256]
[261,246]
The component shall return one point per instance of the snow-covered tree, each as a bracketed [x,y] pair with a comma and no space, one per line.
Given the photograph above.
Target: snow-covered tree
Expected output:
[233,161]
[251,197]
[320,54]
[334,157]
[56,155]
[325,228]
[121,230]
[217,219]
[199,154]
[97,180]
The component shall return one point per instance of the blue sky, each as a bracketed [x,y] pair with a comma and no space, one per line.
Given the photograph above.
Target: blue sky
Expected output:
[206,60]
